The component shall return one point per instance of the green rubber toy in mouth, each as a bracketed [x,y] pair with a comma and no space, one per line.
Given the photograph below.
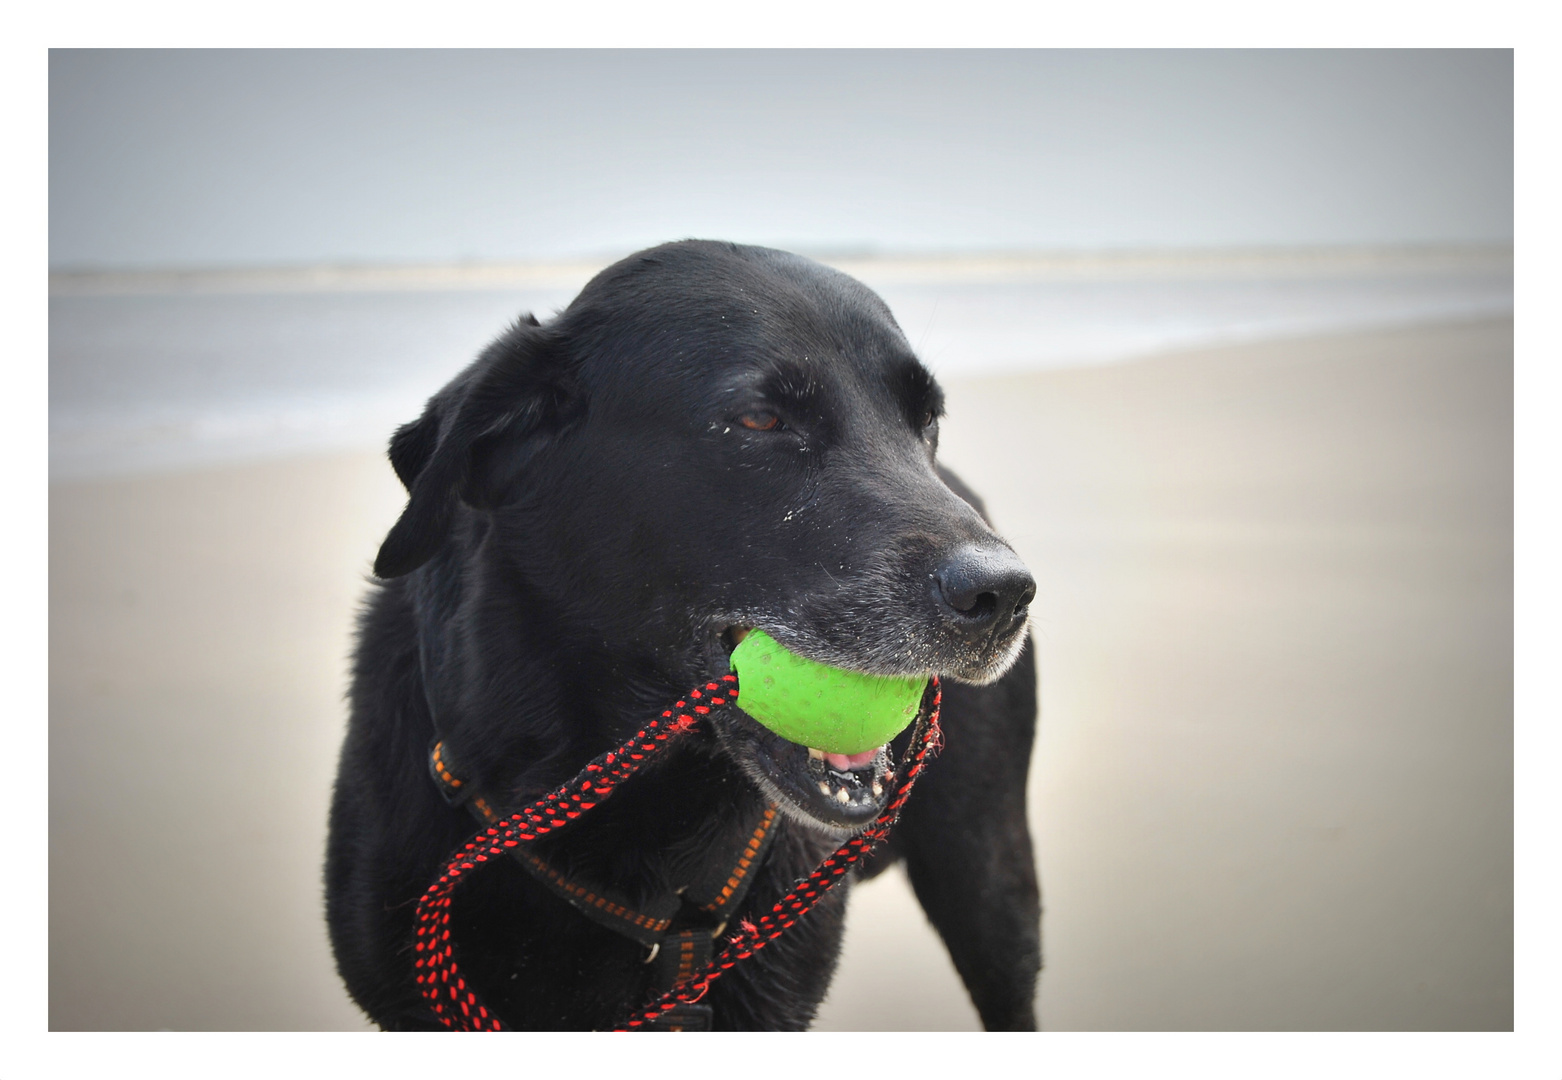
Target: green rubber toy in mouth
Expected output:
[827,708]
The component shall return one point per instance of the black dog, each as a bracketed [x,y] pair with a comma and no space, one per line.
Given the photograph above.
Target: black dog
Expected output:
[710,438]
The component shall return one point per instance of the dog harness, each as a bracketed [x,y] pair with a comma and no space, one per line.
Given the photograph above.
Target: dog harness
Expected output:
[687,957]
[677,928]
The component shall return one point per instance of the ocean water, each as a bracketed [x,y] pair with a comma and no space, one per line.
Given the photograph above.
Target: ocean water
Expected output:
[152,374]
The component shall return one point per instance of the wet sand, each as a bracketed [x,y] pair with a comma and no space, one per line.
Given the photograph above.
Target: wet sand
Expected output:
[1273,788]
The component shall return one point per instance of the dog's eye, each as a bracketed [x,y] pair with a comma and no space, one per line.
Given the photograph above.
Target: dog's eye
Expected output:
[760,421]
[927,418]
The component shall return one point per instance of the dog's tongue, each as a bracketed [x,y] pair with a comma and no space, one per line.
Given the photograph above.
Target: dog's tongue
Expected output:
[847,762]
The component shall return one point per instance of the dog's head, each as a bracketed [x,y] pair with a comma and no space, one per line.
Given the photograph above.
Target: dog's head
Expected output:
[712,438]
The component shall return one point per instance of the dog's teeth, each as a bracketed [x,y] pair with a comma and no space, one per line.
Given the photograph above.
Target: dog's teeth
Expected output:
[824,787]
[878,789]
[841,796]
[817,755]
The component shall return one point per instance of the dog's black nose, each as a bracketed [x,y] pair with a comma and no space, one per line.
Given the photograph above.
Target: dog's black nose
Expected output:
[981,587]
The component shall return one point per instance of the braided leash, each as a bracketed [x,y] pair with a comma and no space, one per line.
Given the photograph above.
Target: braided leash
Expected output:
[439,977]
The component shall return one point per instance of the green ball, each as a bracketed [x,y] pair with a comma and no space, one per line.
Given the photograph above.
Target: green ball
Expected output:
[828,708]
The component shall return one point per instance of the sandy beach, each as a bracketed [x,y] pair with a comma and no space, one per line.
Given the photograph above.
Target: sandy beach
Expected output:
[1273,788]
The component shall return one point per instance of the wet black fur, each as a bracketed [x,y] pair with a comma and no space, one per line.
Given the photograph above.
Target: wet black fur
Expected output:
[584,519]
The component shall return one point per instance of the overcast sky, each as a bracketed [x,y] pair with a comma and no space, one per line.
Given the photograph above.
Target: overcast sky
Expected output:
[241,158]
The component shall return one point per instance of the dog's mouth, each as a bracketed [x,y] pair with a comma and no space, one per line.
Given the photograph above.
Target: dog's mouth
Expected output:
[835,792]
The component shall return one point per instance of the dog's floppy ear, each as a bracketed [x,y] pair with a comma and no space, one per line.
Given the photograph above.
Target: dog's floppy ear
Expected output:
[412,445]
[471,441]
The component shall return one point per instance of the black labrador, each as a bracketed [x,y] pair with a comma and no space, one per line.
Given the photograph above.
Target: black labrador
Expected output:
[710,438]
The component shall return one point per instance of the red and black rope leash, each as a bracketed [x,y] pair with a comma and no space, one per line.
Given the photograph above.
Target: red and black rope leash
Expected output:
[439,977]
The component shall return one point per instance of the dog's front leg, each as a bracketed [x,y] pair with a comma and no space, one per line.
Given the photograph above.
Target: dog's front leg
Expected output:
[968,849]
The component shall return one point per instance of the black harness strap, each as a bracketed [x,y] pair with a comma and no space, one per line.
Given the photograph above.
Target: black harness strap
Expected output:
[647,925]
[724,884]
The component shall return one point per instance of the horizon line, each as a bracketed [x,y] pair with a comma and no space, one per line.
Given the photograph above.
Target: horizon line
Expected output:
[885,266]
